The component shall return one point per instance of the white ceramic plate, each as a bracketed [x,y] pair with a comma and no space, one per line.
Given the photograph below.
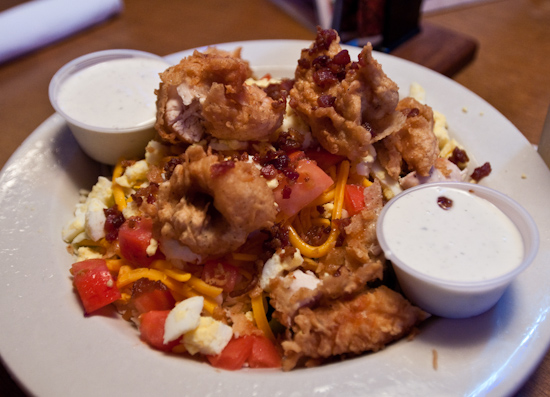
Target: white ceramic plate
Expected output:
[53,350]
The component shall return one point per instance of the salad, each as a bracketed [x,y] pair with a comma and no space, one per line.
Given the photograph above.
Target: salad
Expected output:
[246,235]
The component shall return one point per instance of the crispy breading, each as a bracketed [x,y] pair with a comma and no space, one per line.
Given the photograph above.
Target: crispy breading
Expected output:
[414,144]
[364,101]
[205,95]
[367,322]
[205,211]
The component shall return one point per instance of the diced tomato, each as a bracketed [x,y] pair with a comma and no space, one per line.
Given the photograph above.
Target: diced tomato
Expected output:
[154,300]
[257,350]
[295,156]
[134,237]
[324,158]
[312,181]
[234,355]
[148,295]
[220,274]
[151,329]
[264,353]
[94,283]
[354,200]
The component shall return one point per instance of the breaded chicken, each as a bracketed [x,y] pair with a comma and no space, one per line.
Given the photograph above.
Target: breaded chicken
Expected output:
[415,144]
[348,105]
[202,204]
[367,322]
[205,95]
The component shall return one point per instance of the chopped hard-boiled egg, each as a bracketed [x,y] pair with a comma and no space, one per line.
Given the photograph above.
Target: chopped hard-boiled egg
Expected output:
[303,280]
[184,317]
[85,253]
[102,192]
[133,174]
[95,219]
[417,92]
[390,187]
[274,266]
[155,152]
[210,337]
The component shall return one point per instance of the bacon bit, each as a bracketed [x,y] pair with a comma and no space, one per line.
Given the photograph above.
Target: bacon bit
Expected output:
[268,172]
[342,58]
[277,238]
[322,61]
[326,101]
[289,140]
[170,166]
[341,224]
[219,169]
[324,78]
[459,156]
[304,63]
[280,162]
[287,192]
[481,172]
[148,193]
[291,174]
[408,112]
[323,40]
[444,202]
[316,235]
[414,112]
[113,222]
[144,285]
[279,91]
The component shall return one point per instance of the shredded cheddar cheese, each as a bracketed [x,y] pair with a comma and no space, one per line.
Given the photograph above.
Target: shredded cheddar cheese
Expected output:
[118,191]
[258,309]
[310,251]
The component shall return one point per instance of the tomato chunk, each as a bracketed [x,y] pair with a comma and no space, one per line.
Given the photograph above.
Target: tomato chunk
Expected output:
[94,283]
[354,200]
[324,158]
[134,237]
[234,355]
[220,274]
[312,181]
[150,295]
[151,329]
[264,354]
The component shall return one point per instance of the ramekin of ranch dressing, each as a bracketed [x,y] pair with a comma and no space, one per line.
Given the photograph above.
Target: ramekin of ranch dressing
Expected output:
[455,247]
[108,100]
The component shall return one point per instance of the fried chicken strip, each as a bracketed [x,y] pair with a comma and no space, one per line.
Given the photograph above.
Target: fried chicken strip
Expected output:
[367,322]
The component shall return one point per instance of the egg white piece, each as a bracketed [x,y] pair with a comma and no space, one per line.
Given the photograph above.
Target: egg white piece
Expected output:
[95,219]
[184,317]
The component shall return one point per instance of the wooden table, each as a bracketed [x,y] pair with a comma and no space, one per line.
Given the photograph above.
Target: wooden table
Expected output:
[510,69]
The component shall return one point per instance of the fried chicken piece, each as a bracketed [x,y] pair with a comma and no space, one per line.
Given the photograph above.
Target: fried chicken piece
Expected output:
[211,206]
[348,105]
[367,322]
[286,300]
[206,95]
[347,269]
[414,144]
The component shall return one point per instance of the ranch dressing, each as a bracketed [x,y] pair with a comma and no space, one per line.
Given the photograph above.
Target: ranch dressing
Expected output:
[472,240]
[118,93]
